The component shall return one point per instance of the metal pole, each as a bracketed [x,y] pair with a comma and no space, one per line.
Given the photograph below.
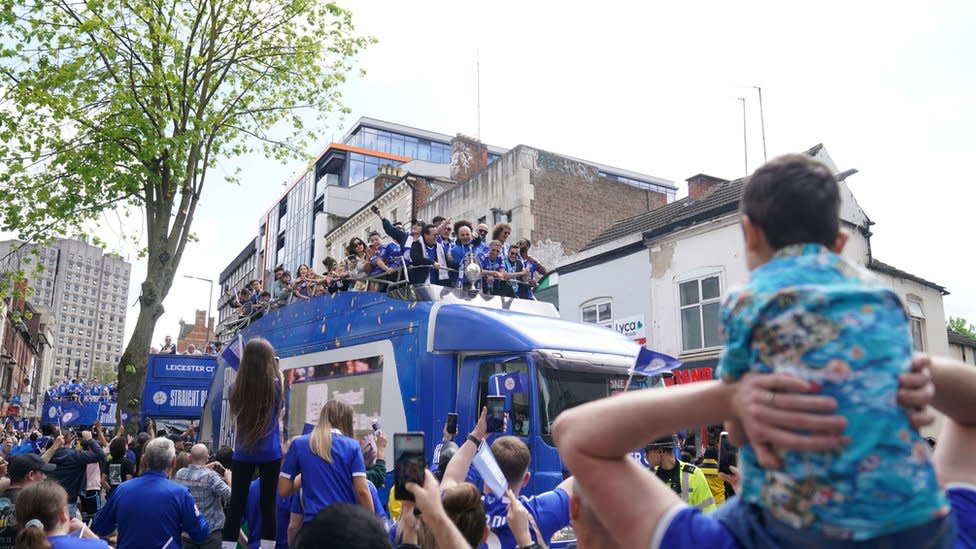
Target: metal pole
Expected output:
[478,70]
[762,121]
[209,318]
[745,143]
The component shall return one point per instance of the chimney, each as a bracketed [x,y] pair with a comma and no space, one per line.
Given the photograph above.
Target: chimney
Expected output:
[386,177]
[468,157]
[201,318]
[20,291]
[422,191]
[701,185]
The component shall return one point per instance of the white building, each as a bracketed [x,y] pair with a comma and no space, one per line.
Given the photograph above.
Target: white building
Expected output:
[672,267]
[85,289]
[961,347]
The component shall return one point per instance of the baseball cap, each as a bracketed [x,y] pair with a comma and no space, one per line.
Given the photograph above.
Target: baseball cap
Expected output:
[20,465]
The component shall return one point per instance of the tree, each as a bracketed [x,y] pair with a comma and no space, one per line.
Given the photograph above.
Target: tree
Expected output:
[962,327]
[104,372]
[122,102]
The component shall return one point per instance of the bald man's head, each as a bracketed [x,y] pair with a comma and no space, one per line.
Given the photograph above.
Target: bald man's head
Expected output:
[199,454]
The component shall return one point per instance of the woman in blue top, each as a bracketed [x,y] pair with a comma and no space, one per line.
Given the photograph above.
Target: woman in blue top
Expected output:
[42,507]
[331,464]
[256,402]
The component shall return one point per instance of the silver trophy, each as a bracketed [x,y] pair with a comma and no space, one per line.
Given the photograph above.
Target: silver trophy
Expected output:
[472,273]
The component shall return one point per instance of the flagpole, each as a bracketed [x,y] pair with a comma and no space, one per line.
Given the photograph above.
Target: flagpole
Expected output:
[630,376]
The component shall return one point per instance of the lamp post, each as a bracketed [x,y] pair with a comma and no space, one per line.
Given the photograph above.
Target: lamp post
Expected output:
[209,302]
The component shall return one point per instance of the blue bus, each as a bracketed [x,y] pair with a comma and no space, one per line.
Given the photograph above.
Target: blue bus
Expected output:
[410,357]
[173,396]
[176,389]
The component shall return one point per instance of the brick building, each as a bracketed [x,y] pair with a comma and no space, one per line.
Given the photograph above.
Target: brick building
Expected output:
[199,334]
[559,202]
[23,342]
[546,197]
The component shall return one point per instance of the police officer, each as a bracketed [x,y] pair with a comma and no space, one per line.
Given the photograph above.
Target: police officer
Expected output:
[685,479]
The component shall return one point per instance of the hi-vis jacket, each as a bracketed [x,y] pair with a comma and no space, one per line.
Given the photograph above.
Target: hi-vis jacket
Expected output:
[693,487]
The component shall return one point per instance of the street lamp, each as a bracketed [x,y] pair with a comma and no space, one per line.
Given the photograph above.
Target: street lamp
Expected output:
[209,302]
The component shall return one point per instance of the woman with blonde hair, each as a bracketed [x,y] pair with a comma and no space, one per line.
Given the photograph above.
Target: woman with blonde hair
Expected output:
[256,402]
[42,509]
[330,463]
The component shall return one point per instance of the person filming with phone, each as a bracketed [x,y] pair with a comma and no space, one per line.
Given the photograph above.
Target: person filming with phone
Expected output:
[549,511]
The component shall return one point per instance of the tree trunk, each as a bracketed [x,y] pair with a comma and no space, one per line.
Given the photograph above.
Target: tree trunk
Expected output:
[132,367]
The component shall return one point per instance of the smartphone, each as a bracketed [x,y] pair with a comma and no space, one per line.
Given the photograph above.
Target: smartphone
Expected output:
[452,423]
[374,209]
[409,462]
[496,414]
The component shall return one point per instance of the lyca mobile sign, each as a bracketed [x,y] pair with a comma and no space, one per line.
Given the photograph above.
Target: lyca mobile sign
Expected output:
[633,328]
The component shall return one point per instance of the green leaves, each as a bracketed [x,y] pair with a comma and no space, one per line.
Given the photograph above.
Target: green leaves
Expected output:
[109,103]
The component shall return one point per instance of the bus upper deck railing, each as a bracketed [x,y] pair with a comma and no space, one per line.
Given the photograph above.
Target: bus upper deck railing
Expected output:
[471,288]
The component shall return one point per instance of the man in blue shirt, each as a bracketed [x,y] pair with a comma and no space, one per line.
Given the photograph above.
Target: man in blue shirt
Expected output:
[151,510]
[550,510]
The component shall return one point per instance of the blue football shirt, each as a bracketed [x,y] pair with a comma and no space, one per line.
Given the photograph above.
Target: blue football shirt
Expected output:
[325,483]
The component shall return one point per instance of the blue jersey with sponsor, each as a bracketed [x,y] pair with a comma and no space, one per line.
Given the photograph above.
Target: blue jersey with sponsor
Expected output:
[812,314]
[325,483]
[550,510]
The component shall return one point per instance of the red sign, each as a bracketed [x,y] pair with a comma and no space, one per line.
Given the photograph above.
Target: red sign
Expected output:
[690,375]
[13,410]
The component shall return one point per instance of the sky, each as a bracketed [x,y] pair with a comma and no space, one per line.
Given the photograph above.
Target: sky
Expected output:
[653,87]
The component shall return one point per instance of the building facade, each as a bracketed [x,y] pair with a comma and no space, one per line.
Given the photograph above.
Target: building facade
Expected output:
[525,186]
[962,348]
[85,289]
[22,345]
[240,271]
[690,253]
[199,334]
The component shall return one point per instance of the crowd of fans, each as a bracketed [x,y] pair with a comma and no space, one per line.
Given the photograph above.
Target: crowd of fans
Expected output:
[439,253]
[84,390]
[803,482]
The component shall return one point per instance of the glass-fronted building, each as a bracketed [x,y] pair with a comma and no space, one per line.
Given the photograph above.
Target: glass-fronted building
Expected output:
[332,185]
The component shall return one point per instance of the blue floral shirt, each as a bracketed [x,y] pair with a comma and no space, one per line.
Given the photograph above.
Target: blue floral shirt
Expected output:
[810,313]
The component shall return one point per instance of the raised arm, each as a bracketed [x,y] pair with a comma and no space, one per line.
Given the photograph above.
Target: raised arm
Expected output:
[955,391]
[428,500]
[595,440]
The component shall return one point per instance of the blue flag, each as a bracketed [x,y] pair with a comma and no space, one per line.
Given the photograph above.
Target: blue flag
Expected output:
[70,412]
[506,384]
[232,354]
[652,363]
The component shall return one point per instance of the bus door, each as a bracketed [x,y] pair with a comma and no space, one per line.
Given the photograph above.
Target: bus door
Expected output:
[479,375]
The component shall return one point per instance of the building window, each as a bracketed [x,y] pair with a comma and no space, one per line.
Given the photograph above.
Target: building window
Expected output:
[501,216]
[599,312]
[916,317]
[699,301]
